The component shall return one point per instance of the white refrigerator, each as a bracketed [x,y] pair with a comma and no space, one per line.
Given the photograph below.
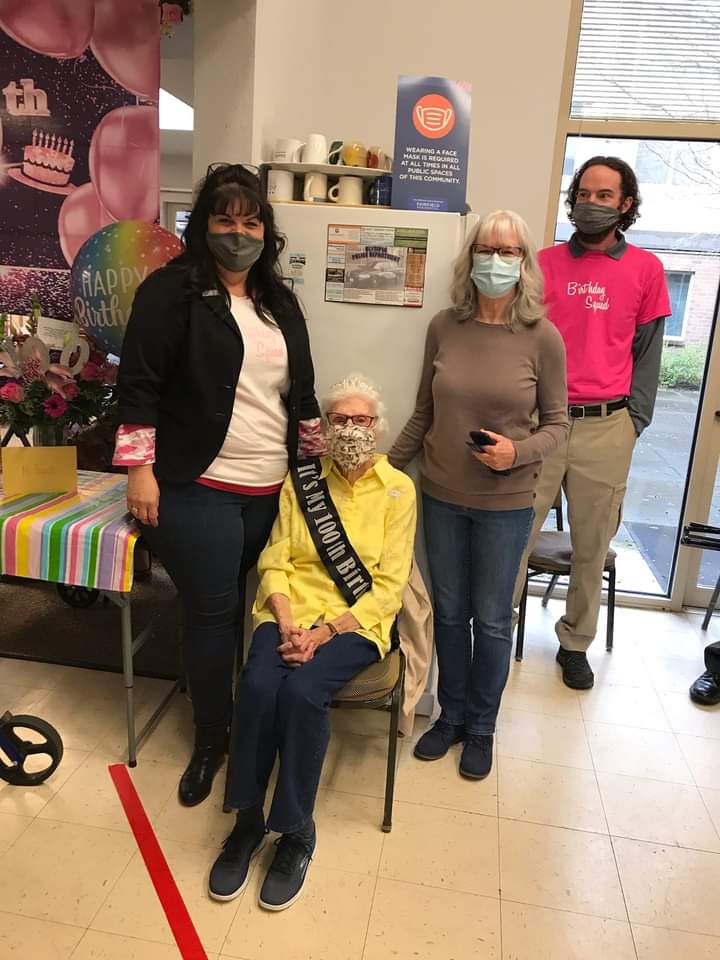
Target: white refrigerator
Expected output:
[384,342]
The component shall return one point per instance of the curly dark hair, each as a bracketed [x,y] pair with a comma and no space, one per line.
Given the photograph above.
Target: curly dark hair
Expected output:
[234,187]
[628,182]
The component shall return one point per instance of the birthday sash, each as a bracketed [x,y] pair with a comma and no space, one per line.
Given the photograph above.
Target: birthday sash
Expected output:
[348,572]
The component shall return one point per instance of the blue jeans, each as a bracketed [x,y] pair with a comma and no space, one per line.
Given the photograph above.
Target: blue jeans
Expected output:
[474,557]
[282,709]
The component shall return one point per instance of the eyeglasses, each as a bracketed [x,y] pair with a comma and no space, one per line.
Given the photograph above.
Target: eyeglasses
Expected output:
[232,167]
[505,253]
[340,419]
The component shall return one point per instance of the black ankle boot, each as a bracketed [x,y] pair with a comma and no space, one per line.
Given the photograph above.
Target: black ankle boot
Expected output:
[207,758]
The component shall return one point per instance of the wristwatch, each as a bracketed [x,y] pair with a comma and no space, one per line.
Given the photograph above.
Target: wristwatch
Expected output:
[332,628]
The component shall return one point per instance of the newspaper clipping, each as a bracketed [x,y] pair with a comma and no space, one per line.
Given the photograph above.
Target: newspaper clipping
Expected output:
[380,265]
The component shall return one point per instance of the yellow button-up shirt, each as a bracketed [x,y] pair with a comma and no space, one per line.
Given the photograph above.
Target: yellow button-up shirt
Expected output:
[378,512]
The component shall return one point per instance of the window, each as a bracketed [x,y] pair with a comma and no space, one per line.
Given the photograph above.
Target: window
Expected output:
[678,285]
[648,59]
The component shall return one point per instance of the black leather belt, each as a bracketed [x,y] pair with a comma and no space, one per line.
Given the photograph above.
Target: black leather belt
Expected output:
[578,411]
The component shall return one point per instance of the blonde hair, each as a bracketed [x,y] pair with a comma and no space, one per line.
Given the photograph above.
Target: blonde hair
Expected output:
[527,306]
[357,385]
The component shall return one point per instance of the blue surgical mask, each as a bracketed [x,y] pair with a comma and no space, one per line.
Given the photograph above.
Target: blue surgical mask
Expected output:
[494,276]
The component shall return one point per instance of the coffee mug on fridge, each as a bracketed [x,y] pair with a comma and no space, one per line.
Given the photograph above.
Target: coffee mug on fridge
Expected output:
[354,154]
[377,159]
[380,192]
[287,150]
[280,185]
[315,188]
[316,149]
[335,152]
[347,190]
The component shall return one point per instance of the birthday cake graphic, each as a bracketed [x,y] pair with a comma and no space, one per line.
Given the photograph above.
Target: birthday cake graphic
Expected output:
[49,159]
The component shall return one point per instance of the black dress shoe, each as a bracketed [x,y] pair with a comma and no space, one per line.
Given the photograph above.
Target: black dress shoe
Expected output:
[196,783]
[706,689]
[576,671]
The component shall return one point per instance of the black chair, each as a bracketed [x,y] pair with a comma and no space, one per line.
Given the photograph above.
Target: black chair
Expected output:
[706,538]
[552,555]
[381,685]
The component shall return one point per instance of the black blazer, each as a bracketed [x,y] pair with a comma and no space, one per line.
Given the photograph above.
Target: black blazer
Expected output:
[181,360]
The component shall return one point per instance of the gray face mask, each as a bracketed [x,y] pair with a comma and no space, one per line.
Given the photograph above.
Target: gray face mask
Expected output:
[234,251]
[594,218]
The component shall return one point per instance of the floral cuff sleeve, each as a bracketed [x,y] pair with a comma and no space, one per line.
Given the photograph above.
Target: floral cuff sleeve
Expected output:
[311,442]
[134,446]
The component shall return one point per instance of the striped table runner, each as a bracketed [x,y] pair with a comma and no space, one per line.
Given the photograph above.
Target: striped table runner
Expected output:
[85,538]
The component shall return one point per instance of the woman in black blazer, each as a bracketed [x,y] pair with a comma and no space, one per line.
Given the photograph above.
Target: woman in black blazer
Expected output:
[216,401]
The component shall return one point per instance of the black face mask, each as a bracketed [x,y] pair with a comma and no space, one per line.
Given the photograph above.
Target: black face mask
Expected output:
[595,219]
[235,251]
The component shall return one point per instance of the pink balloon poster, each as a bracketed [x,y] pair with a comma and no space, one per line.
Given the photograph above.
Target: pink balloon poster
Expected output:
[79,136]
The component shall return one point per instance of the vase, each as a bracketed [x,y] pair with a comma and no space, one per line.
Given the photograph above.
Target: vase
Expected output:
[49,435]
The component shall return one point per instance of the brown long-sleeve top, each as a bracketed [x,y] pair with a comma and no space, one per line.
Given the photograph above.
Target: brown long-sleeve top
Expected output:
[485,376]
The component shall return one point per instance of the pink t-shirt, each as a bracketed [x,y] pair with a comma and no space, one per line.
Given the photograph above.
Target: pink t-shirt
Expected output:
[597,302]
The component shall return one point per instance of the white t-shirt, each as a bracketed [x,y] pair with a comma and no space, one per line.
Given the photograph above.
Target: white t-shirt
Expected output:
[254,453]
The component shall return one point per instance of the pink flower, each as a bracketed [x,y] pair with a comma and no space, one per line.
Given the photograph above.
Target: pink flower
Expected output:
[13,392]
[172,15]
[91,371]
[109,373]
[71,390]
[55,406]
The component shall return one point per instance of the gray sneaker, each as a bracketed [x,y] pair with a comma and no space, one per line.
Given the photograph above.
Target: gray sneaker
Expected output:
[286,876]
[231,871]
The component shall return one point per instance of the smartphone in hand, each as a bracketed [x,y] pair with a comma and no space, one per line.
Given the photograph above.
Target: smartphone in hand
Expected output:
[481,439]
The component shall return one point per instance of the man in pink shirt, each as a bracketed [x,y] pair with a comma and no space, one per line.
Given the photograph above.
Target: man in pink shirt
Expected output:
[609,301]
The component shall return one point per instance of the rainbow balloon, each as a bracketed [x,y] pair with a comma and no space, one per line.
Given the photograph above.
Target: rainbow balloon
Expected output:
[107,271]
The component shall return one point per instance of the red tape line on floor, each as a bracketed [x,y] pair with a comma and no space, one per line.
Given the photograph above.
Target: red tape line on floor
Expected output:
[182,927]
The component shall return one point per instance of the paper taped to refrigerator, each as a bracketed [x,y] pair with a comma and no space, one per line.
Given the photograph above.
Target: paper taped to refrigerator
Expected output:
[381,265]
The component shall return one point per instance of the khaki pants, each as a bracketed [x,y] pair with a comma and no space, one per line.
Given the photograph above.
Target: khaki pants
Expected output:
[592,466]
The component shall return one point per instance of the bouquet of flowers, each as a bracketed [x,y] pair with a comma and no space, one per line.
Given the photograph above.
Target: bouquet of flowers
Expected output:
[43,387]
[172,14]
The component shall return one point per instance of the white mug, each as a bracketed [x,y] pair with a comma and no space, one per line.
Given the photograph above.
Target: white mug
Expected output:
[316,149]
[280,185]
[287,150]
[315,188]
[347,190]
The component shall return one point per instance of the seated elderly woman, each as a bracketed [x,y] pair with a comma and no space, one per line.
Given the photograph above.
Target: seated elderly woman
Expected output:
[331,582]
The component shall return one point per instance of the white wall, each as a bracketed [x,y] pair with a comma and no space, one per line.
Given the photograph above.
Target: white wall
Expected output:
[175,171]
[332,68]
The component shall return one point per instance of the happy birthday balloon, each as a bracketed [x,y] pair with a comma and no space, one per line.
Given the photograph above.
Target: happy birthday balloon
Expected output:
[107,271]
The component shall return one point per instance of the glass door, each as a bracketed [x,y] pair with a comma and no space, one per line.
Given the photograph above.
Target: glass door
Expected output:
[703,566]
[680,223]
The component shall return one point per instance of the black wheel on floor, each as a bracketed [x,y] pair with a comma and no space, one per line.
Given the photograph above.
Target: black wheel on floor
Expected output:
[28,762]
[79,597]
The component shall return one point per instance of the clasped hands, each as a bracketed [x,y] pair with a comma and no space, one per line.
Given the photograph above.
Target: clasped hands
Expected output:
[298,645]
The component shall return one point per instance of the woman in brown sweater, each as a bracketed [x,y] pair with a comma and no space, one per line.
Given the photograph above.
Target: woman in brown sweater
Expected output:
[495,364]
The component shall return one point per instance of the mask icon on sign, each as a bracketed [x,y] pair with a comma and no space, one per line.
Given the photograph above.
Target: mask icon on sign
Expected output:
[433,118]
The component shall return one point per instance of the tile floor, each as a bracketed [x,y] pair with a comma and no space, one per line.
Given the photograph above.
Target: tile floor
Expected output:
[597,834]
